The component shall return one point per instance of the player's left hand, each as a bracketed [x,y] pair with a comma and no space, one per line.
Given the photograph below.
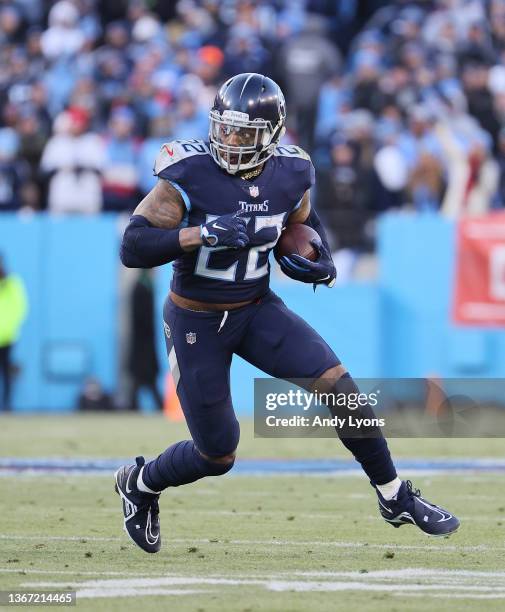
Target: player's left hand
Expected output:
[319,272]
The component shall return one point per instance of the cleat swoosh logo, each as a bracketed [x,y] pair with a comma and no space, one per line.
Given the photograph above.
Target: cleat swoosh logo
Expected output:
[128,490]
[446,518]
[445,515]
[150,537]
[385,507]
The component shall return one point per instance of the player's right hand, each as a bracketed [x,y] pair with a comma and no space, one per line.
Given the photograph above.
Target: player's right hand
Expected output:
[225,231]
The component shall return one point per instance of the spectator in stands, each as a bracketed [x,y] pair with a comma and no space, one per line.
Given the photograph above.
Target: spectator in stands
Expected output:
[64,37]
[426,183]
[501,165]
[13,307]
[475,79]
[11,30]
[245,52]
[413,66]
[473,175]
[119,172]
[305,63]
[343,196]
[72,162]
[391,177]
[32,139]
[160,131]
[419,138]
[13,171]
[190,119]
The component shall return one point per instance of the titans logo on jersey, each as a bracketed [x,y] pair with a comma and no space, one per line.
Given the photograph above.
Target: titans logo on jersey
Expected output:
[224,275]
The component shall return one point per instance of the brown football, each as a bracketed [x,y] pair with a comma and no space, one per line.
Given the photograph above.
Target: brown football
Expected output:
[295,240]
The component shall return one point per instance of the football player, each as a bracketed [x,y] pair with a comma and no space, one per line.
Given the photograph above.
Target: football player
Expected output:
[217,211]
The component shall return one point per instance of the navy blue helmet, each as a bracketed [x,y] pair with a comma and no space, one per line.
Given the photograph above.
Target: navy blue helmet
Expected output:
[246,122]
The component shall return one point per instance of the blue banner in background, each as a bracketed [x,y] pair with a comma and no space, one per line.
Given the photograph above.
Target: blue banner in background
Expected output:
[397,326]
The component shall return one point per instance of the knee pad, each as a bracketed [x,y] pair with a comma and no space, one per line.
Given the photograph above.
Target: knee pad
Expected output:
[220,443]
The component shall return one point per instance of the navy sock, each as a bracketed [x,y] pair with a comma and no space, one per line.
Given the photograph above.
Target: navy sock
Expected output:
[180,464]
[372,453]
[374,456]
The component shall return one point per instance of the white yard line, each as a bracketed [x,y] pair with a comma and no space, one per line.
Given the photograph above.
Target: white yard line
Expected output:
[129,592]
[5,536]
[420,581]
[468,577]
[27,571]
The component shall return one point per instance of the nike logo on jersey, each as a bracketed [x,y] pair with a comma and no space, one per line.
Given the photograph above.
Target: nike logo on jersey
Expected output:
[169,151]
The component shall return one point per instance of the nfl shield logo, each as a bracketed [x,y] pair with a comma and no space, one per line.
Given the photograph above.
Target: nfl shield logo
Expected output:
[254,191]
[191,337]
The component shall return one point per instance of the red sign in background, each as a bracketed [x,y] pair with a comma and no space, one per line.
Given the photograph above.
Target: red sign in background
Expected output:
[479,296]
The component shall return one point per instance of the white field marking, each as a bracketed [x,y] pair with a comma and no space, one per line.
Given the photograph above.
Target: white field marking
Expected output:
[6,536]
[360,586]
[309,543]
[406,574]
[429,576]
[25,570]
[129,592]
[138,583]
[429,582]
[497,595]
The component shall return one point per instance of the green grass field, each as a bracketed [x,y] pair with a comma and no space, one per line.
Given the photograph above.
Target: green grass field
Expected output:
[244,543]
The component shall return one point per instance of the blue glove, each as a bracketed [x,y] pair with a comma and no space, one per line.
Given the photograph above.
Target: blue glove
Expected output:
[225,231]
[320,272]
[265,235]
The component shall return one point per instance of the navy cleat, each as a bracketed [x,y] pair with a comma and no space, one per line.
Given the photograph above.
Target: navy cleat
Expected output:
[409,508]
[141,511]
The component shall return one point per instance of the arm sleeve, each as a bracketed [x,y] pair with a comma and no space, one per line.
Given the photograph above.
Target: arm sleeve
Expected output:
[146,246]
[314,222]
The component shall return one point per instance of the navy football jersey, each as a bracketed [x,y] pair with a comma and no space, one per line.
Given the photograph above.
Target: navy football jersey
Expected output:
[224,275]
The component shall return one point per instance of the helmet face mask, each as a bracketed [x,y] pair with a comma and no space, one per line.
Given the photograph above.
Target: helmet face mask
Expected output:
[246,126]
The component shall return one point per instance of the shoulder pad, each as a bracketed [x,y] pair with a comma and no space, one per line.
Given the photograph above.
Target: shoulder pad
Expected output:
[291,151]
[176,151]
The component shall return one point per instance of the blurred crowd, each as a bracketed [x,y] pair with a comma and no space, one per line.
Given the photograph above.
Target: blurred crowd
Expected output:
[401,104]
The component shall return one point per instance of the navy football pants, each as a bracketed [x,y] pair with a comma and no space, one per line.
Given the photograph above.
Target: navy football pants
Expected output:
[200,347]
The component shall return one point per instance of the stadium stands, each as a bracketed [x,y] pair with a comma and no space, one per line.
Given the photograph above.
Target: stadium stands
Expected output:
[401,104]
